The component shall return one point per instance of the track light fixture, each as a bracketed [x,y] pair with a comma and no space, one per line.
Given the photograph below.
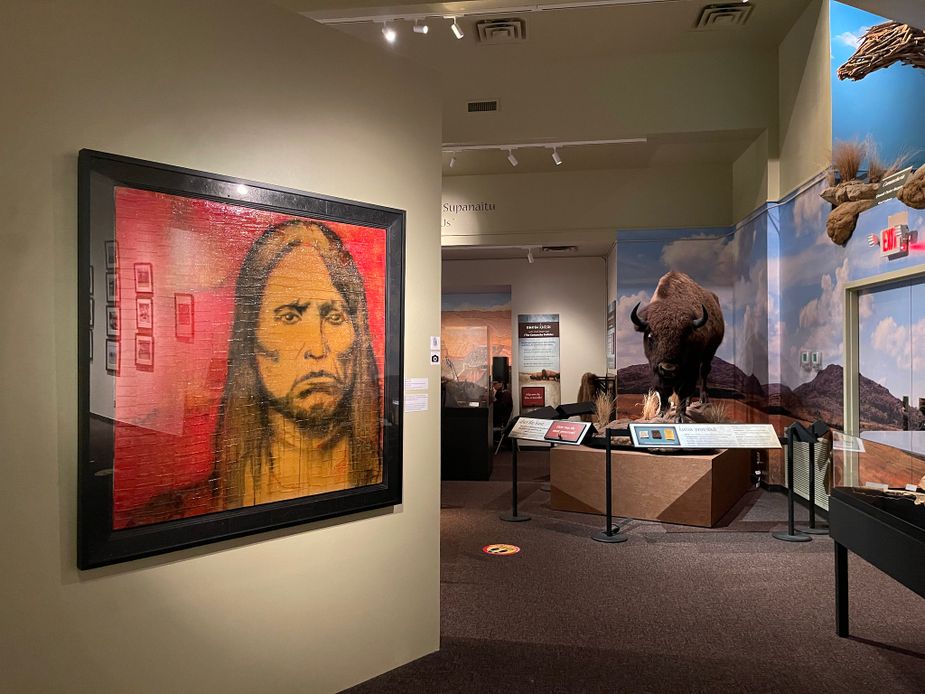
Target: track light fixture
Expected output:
[389,33]
[452,159]
[555,156]
[419,28]
[530,255]
[457,32]
[511,158]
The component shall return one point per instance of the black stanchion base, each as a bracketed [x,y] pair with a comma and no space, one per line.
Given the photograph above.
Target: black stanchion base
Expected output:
[787,537]
[602,536]
[511,518]
[818,530]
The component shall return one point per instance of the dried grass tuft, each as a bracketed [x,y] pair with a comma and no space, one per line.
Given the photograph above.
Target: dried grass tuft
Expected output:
[847,157]
[877,169]
[715,412]
[651,405]
[603,409]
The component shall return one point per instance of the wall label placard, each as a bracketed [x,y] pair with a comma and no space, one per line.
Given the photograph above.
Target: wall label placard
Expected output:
[704,436]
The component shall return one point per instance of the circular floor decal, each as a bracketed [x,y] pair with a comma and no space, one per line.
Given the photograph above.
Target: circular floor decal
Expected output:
[500,550]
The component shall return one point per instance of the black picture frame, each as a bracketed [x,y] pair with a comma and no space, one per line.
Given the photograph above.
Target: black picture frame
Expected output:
[98,543]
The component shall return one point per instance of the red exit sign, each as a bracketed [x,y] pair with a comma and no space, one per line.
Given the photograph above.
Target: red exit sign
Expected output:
[894,242]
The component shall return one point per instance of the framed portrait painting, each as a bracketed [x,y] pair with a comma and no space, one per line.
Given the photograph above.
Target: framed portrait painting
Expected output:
[275,398]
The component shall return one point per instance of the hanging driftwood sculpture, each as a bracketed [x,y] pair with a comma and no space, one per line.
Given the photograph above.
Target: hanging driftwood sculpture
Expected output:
[912,193]
[882,46]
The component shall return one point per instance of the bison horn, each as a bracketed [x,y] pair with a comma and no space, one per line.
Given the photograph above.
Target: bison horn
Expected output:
[637,321]
[700,322]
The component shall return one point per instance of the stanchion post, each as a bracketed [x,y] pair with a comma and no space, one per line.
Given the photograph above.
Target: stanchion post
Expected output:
[608,534]
[514,517]
[812,529]
[791,534]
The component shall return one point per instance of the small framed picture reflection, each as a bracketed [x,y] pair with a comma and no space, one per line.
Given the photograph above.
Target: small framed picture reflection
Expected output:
[185,328]
[110,255]
[112,287]
[112,357]
[144,313]
[144,278]
[144,352]
[112,321]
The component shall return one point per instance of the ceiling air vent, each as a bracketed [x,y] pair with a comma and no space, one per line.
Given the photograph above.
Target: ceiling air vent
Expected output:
[724,16]
[500,31]
[482,106]
[560,249]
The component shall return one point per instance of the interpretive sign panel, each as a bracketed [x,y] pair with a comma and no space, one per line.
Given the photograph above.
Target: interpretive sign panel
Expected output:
[704,436]
[538,345]
[550,431]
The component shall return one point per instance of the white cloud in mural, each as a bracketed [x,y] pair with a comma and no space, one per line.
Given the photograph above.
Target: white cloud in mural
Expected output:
[809,215]
[629,342]
[896,341]
[776,329]
[852,39]
[699,255]
[865,306]
[821,317]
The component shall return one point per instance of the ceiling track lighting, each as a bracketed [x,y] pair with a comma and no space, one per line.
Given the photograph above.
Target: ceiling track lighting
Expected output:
[454,148]
[389,33]
[419,28]
[457,32]
[530,256]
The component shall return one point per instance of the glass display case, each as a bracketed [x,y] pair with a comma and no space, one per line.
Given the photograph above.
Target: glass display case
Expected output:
[875,515]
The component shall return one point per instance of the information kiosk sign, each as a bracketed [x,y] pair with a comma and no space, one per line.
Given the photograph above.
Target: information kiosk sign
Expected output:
[704,436]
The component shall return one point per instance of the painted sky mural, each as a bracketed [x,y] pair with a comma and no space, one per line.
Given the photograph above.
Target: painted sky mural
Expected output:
[887,104]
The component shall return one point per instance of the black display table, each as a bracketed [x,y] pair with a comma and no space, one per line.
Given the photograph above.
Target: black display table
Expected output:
[885,530]
[466,443]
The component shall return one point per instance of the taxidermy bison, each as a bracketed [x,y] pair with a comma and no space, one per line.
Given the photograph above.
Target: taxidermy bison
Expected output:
[682,328]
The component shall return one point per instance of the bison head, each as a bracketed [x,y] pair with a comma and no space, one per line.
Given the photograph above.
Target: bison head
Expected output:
[666,336]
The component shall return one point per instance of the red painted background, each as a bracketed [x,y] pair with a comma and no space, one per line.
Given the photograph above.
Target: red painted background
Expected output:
[166,414]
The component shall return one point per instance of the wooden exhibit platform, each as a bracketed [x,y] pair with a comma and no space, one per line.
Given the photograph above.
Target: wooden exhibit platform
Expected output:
[686,489]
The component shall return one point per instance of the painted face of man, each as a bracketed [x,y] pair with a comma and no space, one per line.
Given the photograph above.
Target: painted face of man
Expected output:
[305,340]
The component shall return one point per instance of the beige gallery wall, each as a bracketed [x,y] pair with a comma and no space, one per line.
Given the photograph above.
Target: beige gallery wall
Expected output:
[248,90]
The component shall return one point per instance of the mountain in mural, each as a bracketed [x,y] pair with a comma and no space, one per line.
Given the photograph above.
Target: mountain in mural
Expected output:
[498,322]
[820,398]
[726,380]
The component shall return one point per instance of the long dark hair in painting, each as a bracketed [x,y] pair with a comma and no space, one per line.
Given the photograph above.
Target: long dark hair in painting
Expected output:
[243,435]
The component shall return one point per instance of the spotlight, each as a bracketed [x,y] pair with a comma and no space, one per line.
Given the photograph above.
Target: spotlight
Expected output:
[389,33]
[452,160]
[555,156]
[420,28]
[457,32]
[530,255]
[511,158]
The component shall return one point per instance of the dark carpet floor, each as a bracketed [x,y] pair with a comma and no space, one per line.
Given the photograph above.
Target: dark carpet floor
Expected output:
[674,609]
